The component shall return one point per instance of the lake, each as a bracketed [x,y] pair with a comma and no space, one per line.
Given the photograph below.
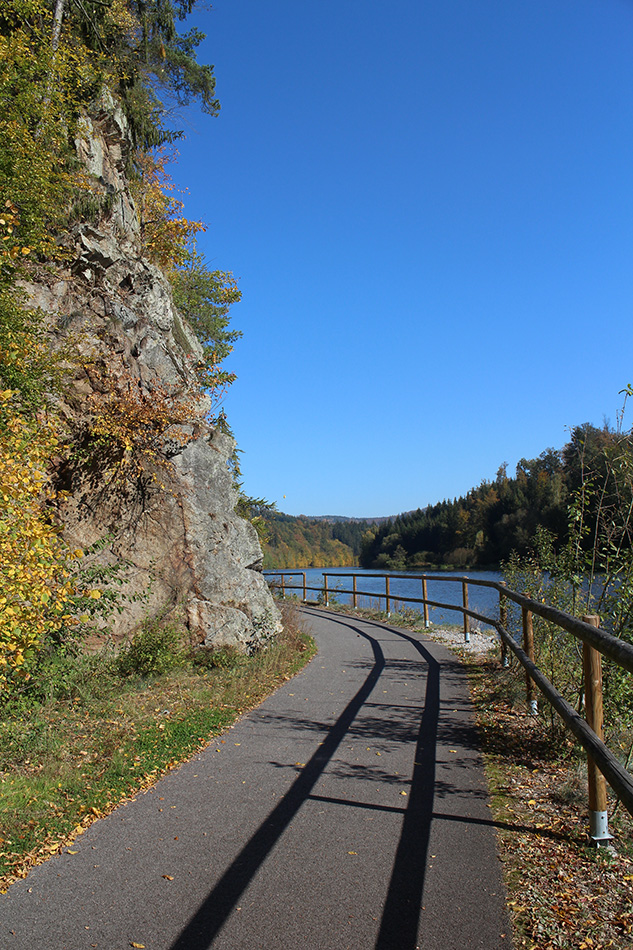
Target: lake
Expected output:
[484,600]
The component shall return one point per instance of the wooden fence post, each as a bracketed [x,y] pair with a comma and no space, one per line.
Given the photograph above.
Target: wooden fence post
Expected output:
[465,605]
[305,595]
[528,646]
[503,620]
[326,596]
[283,586]
[592,666]
[354,592]
[387,595]
[425,605]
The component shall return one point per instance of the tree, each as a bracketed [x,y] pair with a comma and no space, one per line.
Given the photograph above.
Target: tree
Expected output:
[204,298]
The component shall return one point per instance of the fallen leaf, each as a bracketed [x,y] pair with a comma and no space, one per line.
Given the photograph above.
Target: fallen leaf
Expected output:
[168,877]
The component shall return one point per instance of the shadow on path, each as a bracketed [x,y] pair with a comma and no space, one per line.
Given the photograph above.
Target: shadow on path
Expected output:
[400,918]
[399,924]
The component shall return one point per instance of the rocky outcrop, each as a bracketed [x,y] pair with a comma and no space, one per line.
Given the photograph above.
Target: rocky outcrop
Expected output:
[169,531]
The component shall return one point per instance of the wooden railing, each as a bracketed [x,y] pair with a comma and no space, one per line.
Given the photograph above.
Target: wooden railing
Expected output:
[602,763]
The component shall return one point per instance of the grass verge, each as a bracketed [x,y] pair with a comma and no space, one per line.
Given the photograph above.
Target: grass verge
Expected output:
[101,735]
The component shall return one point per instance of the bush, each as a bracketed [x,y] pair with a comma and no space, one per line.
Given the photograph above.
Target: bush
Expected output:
[155,649]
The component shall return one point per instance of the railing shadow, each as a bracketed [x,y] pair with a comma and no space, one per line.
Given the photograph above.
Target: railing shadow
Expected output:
[211,916]
[399,923]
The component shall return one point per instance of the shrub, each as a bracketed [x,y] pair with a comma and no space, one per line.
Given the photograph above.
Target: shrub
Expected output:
[156,648]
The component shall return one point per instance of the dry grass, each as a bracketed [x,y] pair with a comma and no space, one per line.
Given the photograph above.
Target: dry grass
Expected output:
[563,892]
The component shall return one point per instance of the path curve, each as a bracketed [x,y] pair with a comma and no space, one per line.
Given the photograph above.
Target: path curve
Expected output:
[349,810]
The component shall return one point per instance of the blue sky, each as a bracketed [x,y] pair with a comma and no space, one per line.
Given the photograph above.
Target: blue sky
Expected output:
[429,207]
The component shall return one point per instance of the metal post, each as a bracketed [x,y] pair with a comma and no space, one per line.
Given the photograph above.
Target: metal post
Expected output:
[426,606]
[503,620]
[354,591]
[592,665]
[528,646]
[387,595]
[465,605]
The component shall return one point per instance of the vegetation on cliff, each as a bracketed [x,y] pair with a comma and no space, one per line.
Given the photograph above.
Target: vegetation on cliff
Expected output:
[58,59]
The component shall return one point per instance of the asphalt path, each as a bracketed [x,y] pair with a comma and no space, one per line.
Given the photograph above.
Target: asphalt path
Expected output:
[349,810]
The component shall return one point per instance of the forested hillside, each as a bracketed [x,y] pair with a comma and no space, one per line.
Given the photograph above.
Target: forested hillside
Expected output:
[294,542]
[482,528]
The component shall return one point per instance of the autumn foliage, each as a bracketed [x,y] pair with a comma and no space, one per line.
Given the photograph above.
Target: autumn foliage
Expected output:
[167,235]
[132,425]
[36,583]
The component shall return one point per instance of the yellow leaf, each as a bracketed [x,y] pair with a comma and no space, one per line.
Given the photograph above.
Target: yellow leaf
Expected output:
[139,946]
[168,877]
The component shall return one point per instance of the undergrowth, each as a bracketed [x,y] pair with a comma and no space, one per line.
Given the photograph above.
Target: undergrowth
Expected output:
[100,728]
[563,892]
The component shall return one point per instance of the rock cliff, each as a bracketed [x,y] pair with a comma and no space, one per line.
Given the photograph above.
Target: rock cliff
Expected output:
[168,528]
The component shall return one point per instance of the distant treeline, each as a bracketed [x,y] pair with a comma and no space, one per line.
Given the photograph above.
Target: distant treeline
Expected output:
[482,528]
[311,542]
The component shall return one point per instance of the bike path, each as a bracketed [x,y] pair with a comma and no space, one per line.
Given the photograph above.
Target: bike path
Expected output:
[349,810]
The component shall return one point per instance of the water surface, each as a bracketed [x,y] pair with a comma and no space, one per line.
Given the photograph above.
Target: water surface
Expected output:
[484,600]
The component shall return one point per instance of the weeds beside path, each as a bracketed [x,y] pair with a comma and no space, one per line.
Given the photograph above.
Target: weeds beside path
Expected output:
[564,894]
[68,759]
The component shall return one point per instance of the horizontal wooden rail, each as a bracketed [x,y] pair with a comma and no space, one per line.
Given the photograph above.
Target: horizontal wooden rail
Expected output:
[592,636]
[618,650]
[616,775]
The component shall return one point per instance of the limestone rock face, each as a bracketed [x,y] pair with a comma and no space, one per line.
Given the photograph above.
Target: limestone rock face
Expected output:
[171,532]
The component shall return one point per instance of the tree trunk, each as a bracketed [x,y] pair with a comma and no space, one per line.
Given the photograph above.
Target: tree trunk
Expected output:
[57,24]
